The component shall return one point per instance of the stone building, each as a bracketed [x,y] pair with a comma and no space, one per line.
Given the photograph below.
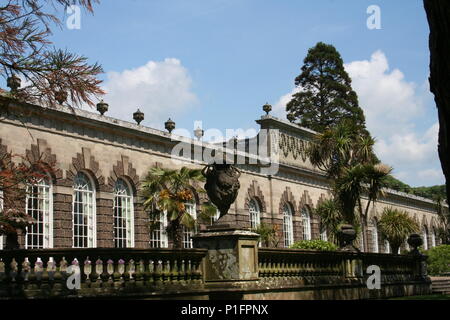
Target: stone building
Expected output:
[92,199]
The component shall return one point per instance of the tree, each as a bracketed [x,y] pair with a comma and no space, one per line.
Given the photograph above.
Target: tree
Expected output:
[326,96]
[396,225]
[349,161]
[51,75]
[330,218]
[438,14]
[165,190]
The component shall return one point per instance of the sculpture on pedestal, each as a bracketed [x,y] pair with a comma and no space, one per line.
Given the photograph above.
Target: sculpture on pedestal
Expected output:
[222,185]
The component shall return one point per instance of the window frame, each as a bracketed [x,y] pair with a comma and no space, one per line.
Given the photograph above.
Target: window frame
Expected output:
[159,238]
[306,223]
[47,215]
[128,198]
[288,226]
[188,233]
[254,210]
[91,216]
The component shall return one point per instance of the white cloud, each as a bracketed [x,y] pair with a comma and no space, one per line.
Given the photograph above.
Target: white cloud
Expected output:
[393,107]
[160,89]
[279,108]
[386,97]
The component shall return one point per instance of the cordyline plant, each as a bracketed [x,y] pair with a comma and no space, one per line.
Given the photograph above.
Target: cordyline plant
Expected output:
[16,172]
[26,52]
[168,191]
[396,225]
[345,153]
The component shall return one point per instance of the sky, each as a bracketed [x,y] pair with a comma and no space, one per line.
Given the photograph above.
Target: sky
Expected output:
[220,61]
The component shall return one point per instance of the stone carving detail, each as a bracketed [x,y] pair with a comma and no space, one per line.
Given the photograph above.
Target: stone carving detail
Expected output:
[287,197]
[85,161]
[41,152]
[124,168]
[292,145]
[254,191]
[305,200]
[222,185]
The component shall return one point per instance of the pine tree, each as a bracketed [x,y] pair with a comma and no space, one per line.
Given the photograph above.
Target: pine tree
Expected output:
[326,96]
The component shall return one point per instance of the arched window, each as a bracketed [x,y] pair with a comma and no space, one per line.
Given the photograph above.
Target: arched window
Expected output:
[255,213]
[288,230]
[433,238]
[189,232]
[425,237]
[387,247]
[361,242]
[39,206]
[216,216]
[306,219]
[374,231]
[123,215]
[323,235]
[84,212]
[158,237]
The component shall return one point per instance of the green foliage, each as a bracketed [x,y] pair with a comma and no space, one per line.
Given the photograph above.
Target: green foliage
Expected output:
[326,96]
[165,190]
[396,225]
[433,192]
[318,245]
[330,217]
[438,260]
[268,234]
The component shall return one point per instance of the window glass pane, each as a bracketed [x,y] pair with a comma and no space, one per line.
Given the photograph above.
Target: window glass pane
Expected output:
[83,212]
[38,198]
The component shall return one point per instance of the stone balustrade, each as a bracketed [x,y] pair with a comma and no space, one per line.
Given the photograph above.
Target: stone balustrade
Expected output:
[181,273]
[102,272]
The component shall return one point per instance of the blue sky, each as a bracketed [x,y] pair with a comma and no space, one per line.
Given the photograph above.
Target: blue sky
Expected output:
[220,61]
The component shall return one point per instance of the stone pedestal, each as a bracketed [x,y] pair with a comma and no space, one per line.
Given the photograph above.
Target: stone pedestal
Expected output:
[232,253]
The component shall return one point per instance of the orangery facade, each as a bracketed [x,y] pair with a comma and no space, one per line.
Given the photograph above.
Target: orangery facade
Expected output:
[92,198]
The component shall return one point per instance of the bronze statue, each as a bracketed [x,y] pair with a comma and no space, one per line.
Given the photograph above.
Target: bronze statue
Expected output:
[222,185]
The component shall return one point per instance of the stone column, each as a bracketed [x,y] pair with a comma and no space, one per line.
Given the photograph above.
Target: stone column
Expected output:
[232,254]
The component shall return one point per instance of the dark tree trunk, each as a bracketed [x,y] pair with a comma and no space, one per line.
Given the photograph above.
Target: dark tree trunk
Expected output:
[438,14]
[12,241]
[177,234]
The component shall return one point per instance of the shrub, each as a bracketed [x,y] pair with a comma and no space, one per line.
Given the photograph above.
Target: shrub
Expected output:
[318,245]
[268,234]
[438,260]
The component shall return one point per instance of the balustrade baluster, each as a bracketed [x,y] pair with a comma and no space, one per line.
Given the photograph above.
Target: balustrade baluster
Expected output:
[131,270]
[51,268]
[2,270]
[87,269]
[26,268]
[13,270]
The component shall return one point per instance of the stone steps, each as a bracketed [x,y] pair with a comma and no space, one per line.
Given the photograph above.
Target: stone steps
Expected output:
[440,285]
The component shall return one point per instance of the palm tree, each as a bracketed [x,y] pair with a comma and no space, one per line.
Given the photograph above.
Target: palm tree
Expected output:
[165,190]
[396,226]
[330,218]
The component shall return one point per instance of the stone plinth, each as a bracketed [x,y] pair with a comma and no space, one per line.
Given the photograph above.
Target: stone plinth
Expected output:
[232,253]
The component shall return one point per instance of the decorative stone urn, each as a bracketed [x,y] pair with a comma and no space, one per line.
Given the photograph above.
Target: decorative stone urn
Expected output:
[415,241]
[222,185]
[346,236]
